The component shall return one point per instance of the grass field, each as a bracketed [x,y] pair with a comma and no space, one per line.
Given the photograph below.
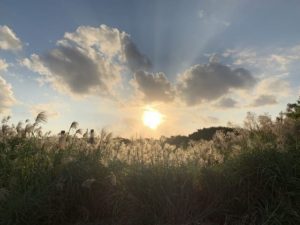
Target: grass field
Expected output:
[249,176]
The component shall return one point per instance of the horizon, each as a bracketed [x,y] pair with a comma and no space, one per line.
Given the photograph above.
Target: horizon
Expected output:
[140,68]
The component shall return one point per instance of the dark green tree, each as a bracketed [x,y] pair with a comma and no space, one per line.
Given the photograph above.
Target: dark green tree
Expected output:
[293,110]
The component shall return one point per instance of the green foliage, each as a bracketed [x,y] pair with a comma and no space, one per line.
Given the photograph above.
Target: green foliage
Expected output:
[208,133]
[258,187]
[201,134]
[293,110]
[178,141]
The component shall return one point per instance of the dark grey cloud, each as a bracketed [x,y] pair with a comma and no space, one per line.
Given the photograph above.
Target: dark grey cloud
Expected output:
[226,103]
[74,69]
[264,100]
[154,87]
[135,60]
[210,81]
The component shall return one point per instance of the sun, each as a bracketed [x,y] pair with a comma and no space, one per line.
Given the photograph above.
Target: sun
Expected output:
[152,118]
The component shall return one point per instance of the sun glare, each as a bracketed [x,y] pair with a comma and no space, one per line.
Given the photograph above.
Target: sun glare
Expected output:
[152,118]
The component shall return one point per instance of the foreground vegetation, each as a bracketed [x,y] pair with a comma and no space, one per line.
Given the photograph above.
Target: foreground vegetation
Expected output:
[248,176]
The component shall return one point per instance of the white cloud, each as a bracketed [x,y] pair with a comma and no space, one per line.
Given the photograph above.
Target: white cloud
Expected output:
[7,98]
[201,14]
[267,61]
[3,65]
[212,19]
[9,40]
[276,85]
[274,67]
[89,61]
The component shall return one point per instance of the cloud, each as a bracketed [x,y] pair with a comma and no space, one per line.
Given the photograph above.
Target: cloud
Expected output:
[3,65]
[212,19]
[153,87]
[74,68]
[35,64]
[71,71]
[111,42]
[214,58]
[135,60]
[276,85]
[201,14]
[275,67]
[6,96]
[9,40]
[271,61]
[264,100]
[210,81]
[226,103]
[88,61]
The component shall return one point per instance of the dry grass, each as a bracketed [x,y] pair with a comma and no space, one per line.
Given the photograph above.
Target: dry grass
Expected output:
[250,176]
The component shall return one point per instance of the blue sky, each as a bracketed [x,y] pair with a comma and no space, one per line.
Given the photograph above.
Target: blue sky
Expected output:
[199,63]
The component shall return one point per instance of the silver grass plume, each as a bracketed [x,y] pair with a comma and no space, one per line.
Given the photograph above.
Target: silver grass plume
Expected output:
[5,119]
[5,128]
[85,135]
[79,131]
[19,127]
[28,129]
[74,125]
[41,118]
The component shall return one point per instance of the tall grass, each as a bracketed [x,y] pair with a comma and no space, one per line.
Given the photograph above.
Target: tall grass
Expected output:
[249,176]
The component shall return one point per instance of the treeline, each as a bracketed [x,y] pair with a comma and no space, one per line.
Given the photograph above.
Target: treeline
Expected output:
[201,134]
[182,141]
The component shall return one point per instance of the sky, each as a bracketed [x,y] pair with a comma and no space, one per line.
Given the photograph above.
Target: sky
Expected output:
[105,63]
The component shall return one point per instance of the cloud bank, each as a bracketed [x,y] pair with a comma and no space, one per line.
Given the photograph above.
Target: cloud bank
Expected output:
[93,61]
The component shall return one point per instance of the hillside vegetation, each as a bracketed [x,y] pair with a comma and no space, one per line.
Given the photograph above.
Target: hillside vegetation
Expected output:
[245,175]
